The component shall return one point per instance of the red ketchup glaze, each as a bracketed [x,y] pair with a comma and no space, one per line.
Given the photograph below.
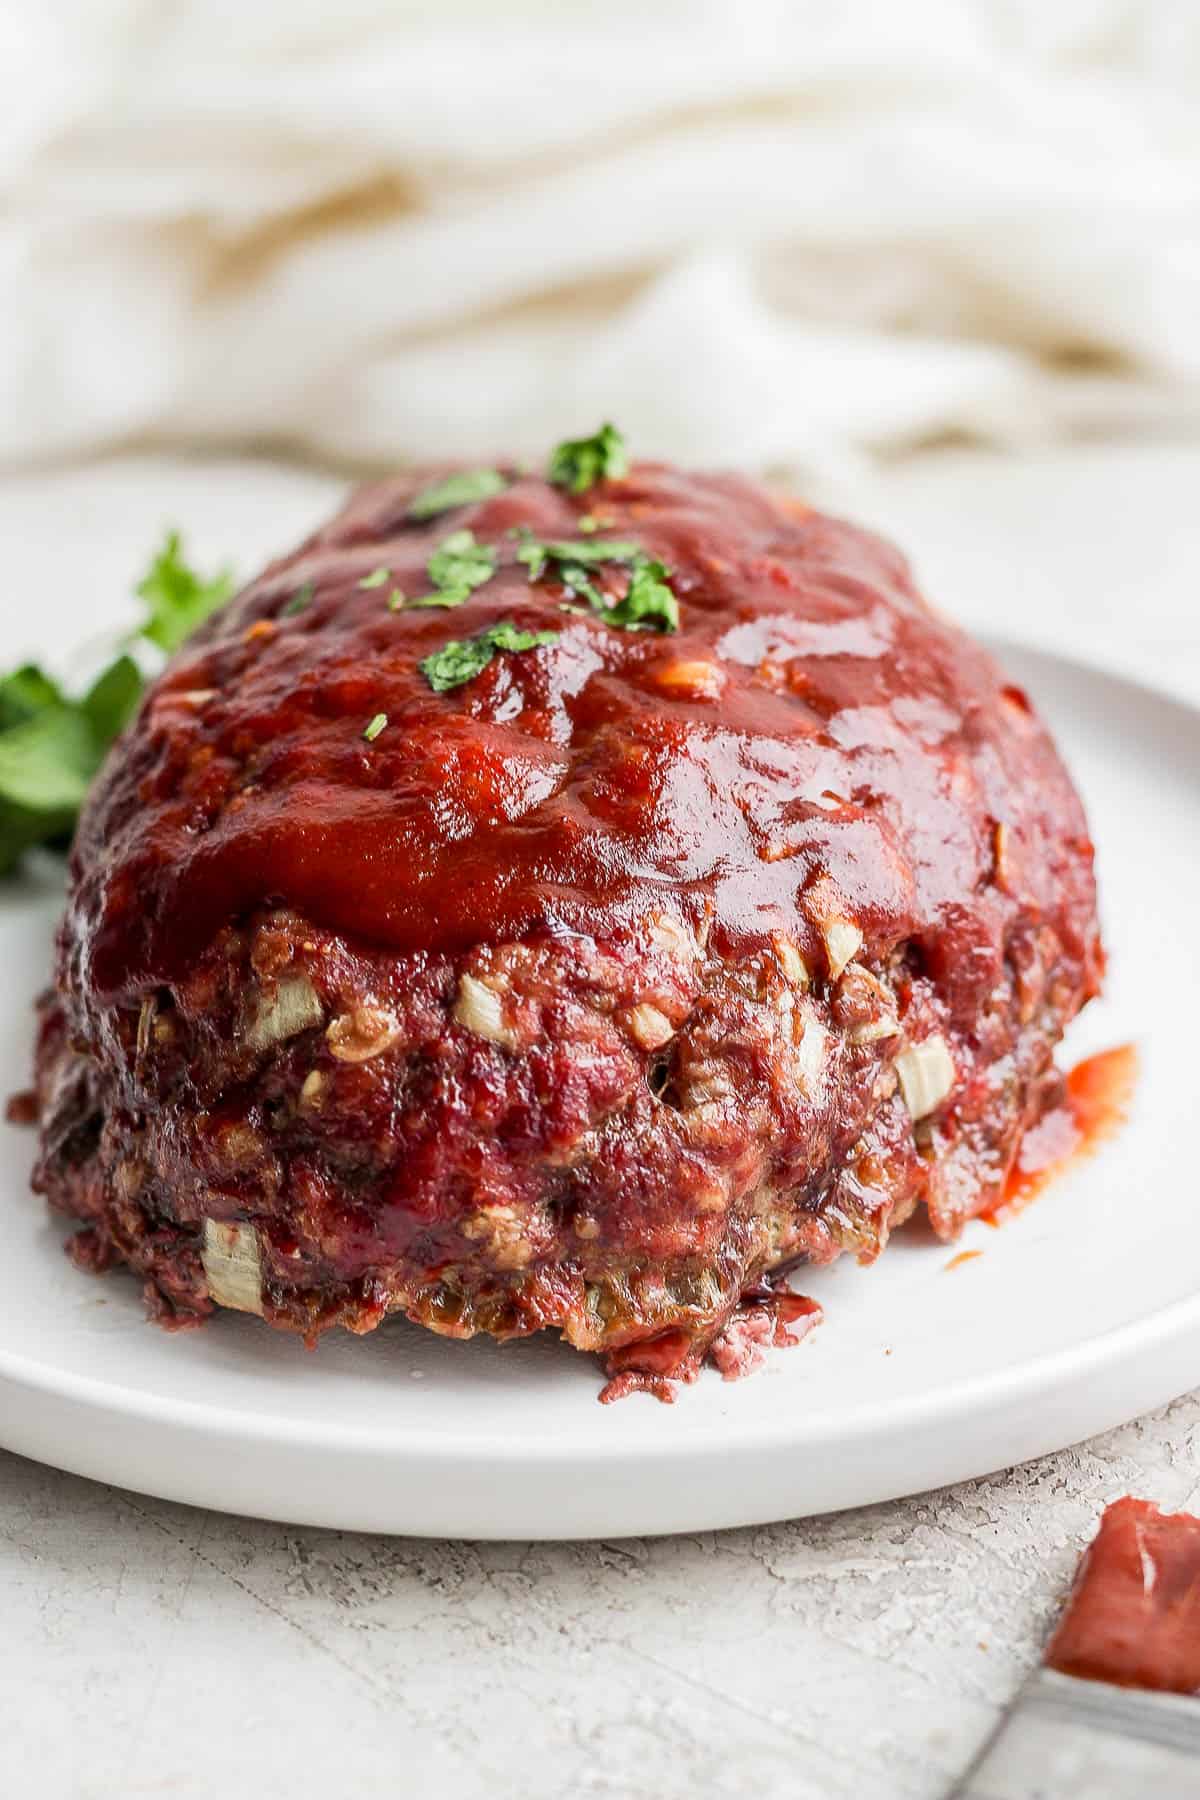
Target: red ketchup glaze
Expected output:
[1095,1104]
[810,719]
[1133,1618]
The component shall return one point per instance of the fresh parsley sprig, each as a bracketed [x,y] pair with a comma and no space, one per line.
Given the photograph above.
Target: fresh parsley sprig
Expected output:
[52,745]
[179,600]
[462,659]
[457,490]
[579,463]
[25,694]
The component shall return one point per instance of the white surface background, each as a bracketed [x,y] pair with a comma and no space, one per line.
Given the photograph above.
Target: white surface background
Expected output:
[149,1650]
[770,231]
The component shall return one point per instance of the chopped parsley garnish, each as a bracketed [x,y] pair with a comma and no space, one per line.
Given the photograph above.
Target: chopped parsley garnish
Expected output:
[378,724]
[463,658]
[456,568]
[178,598]
[299,600]
[577,580]
[535,553]
[52,745]
[457,490]
[648,605]
[580,463]
[376,578]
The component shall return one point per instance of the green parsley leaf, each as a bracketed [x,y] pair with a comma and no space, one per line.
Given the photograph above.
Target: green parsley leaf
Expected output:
[301,599]
[459,561]
[535,553]
[178,598]
[46,766]
[580,463]
[49,757]
[649,604]
[25,693]
[576,579]
[112,700]
[378,723]
[462,659]
[51,745]
[376,578]
[456,568]
[457,490]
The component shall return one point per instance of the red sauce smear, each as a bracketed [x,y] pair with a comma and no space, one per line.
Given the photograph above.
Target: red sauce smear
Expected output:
[569,788]
[1095,1105]
[1133,1618]
[964,1256]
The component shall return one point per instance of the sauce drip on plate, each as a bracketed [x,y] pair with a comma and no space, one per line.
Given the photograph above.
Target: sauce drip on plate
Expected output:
[1095,1105]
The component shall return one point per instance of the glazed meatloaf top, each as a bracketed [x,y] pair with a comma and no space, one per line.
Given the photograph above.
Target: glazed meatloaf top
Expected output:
[561,909]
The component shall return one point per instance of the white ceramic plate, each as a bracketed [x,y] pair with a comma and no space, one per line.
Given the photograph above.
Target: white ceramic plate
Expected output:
[1079,1314]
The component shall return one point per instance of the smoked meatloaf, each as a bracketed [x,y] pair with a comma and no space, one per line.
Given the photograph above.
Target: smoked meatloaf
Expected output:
[558,910]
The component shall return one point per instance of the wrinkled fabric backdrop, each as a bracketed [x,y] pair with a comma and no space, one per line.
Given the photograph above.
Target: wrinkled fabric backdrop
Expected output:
[763,232]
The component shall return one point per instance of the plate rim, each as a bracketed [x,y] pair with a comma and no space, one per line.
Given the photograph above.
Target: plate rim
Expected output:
[1066,1366]
[1073,1362]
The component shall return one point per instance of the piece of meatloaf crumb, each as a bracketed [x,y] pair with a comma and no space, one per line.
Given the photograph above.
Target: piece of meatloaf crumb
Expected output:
[576,975]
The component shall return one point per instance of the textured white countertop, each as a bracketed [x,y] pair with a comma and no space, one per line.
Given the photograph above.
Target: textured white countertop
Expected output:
[147,1649]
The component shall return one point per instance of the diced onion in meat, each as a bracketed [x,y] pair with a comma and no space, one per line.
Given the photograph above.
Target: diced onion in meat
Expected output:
[363,1033]
[790,960]
[145,1024]
[649,1027]
[843,941]
[926,1073]
[871,1030]
[292,1007]
[315,1083]
[479,1008]
[812,1050]
[232,1265]
[868,1004]
[671,934]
